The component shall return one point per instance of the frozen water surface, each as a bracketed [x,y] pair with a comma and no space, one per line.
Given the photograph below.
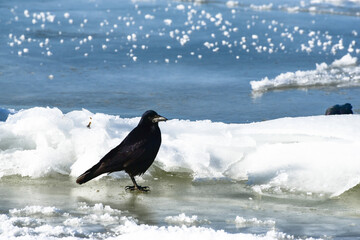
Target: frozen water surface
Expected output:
[246,154]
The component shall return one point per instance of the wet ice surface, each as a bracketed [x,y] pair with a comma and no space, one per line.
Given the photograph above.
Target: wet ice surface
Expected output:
[177,57]
[175,206]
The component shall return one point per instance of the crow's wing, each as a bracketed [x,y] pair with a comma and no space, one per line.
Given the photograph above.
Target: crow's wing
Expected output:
[131,148]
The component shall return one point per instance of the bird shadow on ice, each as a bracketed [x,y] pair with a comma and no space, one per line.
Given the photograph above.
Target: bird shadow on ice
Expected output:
[178,174]
[134,204]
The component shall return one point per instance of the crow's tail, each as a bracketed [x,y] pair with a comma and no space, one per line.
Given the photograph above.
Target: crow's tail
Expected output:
[89,174]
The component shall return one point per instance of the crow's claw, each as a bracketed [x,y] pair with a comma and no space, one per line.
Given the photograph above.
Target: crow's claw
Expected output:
[137,188]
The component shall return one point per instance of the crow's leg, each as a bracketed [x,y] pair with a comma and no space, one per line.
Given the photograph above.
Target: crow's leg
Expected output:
[136,187]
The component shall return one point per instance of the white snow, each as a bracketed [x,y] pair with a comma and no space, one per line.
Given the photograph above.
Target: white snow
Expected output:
[311,154]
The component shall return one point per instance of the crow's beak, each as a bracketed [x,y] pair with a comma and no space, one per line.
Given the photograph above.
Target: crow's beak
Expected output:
[159,119]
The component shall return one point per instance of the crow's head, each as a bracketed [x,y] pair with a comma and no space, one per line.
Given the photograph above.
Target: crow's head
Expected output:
[151,116]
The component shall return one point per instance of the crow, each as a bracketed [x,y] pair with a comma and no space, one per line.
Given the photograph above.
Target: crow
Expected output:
[134,154]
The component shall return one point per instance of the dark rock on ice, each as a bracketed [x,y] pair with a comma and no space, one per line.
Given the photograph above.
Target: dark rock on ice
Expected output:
[339,109]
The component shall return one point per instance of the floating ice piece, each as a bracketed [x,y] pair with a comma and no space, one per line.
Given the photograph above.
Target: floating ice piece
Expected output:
[34,210]
[242,222]
[149,17]
[185,38]
[345,61]
[50,17]
[180,7]
[182,219]
[26,13]
[261,7]
[167,22]
[342,72]
[232,4]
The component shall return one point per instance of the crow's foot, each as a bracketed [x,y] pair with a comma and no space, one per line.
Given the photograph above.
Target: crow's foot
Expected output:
[137,188]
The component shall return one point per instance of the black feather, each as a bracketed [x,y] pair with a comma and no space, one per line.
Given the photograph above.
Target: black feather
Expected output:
[89,174]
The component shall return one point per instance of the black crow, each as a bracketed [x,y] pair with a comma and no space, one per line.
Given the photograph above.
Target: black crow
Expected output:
[339,109]
[134,154]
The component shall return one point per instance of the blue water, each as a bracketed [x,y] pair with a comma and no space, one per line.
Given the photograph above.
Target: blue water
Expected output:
[167,76]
